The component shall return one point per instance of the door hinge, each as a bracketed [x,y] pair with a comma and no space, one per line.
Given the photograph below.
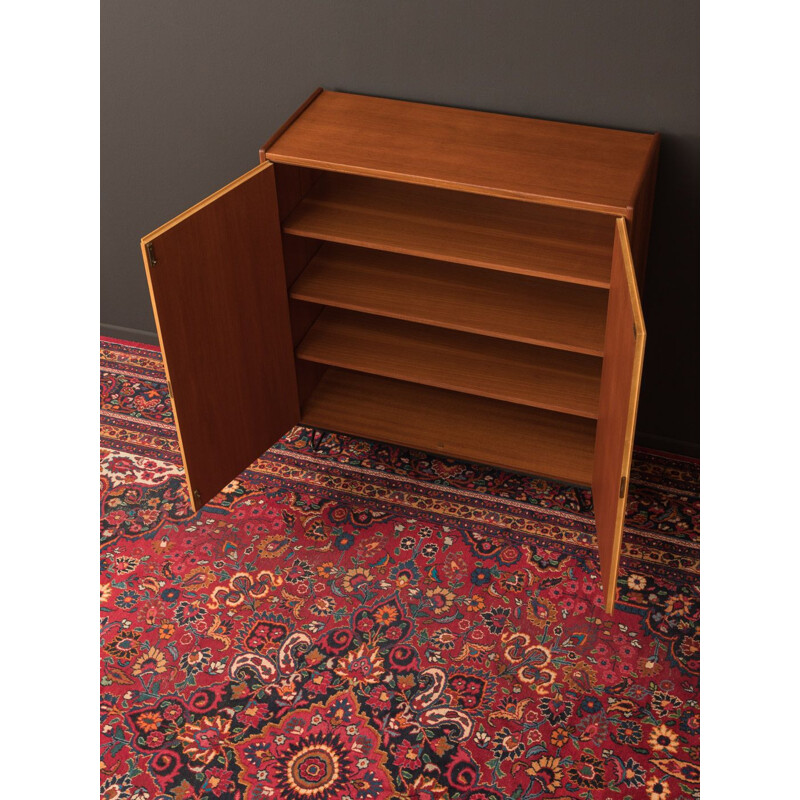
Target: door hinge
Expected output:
[622,488]
[196,496]
[169,389]
[151,255]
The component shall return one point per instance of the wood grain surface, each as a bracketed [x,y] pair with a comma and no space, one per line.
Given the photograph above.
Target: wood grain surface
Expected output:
[619,397]
[481,365]
[451,423]
[575,166]
[526,238]
[219,295]
[516,307]
[262,151]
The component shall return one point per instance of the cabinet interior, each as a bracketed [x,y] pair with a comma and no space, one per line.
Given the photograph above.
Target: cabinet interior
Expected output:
[460,324]
[449,280]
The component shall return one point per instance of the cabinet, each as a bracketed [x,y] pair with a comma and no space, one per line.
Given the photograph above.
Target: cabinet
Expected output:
[450,280]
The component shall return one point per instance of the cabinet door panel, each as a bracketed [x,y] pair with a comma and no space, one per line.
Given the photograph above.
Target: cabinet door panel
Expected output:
[218,289]
[619,397]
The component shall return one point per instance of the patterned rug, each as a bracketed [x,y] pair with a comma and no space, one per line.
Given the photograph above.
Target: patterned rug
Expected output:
[363,621]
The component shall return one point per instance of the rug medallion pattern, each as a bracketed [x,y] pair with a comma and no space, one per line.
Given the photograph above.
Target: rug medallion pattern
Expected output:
[364,621]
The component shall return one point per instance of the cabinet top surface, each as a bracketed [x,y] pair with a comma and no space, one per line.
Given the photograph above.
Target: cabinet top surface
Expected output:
[476,151]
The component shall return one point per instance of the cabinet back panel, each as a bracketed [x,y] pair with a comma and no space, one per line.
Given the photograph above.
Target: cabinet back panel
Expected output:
[453,424]
[526,238]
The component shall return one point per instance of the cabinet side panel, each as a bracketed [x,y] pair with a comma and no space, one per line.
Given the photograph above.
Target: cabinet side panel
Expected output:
[643,212]
[619,396]
[303,316]
[292,184]
[218,288]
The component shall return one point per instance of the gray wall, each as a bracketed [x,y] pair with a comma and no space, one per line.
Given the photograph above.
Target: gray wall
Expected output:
[191,88]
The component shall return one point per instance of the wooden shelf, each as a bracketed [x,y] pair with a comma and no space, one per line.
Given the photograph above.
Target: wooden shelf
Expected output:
[515,307]
[453,424]
[459,282]
[525,238]
[496,368]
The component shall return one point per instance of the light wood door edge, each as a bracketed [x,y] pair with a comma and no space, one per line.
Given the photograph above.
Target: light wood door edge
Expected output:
[614,527]
[194,496]
[633,286]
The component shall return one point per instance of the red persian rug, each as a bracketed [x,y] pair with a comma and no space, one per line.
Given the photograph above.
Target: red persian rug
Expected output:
[364,621]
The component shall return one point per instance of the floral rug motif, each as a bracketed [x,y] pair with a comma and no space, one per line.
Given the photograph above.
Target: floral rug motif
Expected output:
[363,621]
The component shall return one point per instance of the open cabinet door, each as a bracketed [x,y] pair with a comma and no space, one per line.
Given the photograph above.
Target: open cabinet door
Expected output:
[218,289]
[619,397]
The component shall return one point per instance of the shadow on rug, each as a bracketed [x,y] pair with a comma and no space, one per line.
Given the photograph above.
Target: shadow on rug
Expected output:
[366,621]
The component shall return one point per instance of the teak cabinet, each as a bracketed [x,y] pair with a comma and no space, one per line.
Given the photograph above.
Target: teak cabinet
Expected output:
[454,281]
